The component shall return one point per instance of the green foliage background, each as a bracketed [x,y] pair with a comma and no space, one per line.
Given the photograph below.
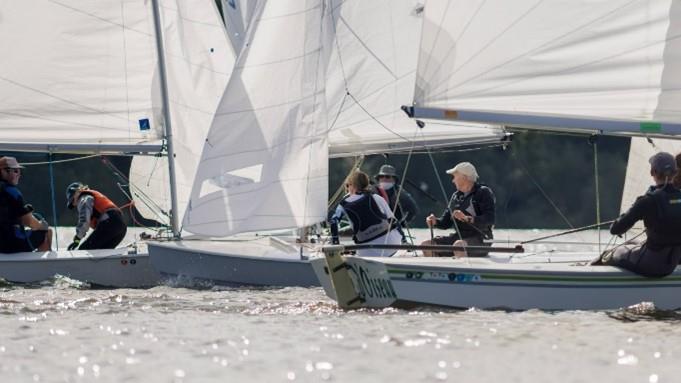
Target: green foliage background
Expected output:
[534,173]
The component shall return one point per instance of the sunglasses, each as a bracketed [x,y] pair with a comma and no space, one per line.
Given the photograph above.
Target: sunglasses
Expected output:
[12,170]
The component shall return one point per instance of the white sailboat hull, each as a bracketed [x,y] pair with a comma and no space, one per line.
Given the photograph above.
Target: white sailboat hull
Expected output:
[261,262]
[485,284]
[110,268]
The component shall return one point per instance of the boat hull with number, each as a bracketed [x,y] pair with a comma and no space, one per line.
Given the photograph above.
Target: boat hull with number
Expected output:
[120,267]
[486,284]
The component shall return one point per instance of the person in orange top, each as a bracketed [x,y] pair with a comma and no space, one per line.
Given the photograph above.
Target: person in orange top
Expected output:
[96,211]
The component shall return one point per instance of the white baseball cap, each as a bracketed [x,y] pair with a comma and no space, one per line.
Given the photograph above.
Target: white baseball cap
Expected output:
[465,168]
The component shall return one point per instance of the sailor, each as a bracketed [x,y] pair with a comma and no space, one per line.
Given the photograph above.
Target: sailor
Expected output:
[660,210]
[472,214]
[96,211]
[369,215]
[405,208]
[16,215]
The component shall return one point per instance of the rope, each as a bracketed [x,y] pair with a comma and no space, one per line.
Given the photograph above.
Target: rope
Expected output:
[541,190]
[568,232]
[60,161]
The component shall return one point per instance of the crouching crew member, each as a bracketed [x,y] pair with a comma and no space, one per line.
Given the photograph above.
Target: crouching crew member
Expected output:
[96,211]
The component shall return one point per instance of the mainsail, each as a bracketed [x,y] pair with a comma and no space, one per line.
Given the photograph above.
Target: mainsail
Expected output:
[604,65]
[82,77]
[267,142]
[77,73]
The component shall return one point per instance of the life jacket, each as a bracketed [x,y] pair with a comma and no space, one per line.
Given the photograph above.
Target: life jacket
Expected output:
[665,229]
[470,203]
[368,221]
[102,204]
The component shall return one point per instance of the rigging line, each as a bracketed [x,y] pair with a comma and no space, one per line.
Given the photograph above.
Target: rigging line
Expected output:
[384,65]
[338,50]
[340,110]
[142,197]
[60,161]
[377,121]
[541,190]
[399,191]
[567,232]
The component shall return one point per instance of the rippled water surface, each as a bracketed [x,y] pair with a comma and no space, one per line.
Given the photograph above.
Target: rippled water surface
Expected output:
[64,331]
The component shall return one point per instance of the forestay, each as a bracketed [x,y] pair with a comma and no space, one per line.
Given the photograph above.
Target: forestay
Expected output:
[596,60]
[199,61]
[265,161]
[374,59]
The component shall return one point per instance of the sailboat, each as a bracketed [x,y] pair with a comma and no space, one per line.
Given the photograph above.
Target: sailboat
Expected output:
[595,67]
[108,77]
[314,80]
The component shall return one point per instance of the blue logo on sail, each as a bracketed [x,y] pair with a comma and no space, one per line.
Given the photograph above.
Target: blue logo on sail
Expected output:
[144,124]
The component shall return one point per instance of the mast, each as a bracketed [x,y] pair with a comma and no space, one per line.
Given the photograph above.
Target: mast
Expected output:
[167,127]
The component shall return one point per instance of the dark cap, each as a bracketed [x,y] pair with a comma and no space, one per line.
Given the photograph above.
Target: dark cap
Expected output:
[386,170]
[663,164]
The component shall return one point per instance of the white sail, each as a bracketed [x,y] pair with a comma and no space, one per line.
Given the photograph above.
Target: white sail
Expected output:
[372,72]
[237,15]
[614,60]
[77,72]
[199,61]
[265,162]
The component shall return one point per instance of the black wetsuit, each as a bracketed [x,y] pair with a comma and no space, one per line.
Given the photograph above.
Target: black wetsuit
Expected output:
[660,210]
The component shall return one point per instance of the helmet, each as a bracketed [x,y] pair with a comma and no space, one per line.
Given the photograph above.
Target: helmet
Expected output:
[70,192]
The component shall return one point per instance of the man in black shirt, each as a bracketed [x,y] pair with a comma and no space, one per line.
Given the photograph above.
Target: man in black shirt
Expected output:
[471,212]
[660,210]
[16,215]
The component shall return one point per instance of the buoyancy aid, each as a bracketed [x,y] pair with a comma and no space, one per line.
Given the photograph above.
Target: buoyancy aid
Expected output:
[101,205]
[368,221]
[665,230]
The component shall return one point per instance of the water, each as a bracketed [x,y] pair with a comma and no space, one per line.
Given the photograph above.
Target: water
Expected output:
[64,331]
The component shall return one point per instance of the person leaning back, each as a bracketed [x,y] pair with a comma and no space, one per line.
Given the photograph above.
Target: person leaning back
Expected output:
[20,230]
[472,214]
[660,210]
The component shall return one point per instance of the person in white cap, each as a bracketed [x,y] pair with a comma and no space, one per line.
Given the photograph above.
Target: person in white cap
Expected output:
[660,210]
[16,215]
[471,212]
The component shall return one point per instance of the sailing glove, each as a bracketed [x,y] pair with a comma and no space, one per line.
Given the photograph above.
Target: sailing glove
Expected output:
[74,244]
